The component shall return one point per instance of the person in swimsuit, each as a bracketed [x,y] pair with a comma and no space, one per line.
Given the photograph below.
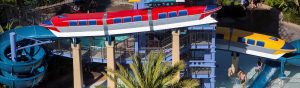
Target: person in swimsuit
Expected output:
[259,65]
[242,76]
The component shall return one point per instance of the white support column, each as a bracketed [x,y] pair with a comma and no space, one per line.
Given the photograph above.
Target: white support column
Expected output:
[110,63]
[176,49]
[77,67]
[234,64]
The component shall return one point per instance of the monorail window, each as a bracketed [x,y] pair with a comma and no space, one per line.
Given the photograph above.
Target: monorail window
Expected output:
[82,22]
[137,18]
[172,14]
[183,12]
[117,20]
[241,40]
[251,41]
[127,19]
[72,22]
[274,38]
[260,43]
[162,15]
[220,36]
[92,22]
[61,16]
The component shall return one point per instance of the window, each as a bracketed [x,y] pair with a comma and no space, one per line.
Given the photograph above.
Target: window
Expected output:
[274,38]
[137,18]
[198,54]
[241,40]
[72,22]
[48,22]
[82,22]
[260,43]
[127,19]
[117,20]
[162,15]
[220,36]
[92,22]
[172,14]
[251,41]
[61,16]
[183,12]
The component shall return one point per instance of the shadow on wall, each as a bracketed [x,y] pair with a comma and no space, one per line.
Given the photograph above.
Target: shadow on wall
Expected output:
[260,21]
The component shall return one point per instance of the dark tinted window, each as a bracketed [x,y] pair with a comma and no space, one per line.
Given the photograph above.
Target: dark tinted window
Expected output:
[127,19]
[82,22]
[172,14]
[61,16]
[241,39]
[183,13]
[48,22]
[274,38]
[220,36]
[92,22]
[162,15]
[73,22]
[260,43]
[137,18]
[117,20]
[251,41]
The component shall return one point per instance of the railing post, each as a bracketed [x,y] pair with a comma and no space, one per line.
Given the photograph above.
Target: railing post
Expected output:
[13,48]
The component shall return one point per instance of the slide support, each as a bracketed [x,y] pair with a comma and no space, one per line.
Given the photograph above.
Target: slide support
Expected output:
[282,63]
[77,65]
[13,48]
[176,50]
[110,62]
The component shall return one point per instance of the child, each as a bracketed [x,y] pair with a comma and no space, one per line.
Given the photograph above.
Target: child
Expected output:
[242,76]
[259,65]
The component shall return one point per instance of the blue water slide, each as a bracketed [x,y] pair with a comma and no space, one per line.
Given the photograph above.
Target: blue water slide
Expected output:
[294,58]
[265,76]
[29,68]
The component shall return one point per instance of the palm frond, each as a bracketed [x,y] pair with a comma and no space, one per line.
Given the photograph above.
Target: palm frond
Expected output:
[121,74]
[137,71]
[154,73]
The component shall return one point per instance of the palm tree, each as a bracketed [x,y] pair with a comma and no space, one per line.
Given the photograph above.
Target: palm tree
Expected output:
[153,73]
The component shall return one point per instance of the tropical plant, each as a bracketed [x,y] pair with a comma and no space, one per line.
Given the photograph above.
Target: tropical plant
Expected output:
[153,73]
[1,29]
[8,1]
[8,26]
[290,9]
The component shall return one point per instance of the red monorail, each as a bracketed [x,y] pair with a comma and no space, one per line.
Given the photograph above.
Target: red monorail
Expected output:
[129,21]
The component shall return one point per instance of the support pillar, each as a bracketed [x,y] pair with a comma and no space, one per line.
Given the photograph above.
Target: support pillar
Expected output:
[13,48]
[176,50]
[213,52]
[234,64]
[282,63]
[77,66]
[110,62]
[136,43]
